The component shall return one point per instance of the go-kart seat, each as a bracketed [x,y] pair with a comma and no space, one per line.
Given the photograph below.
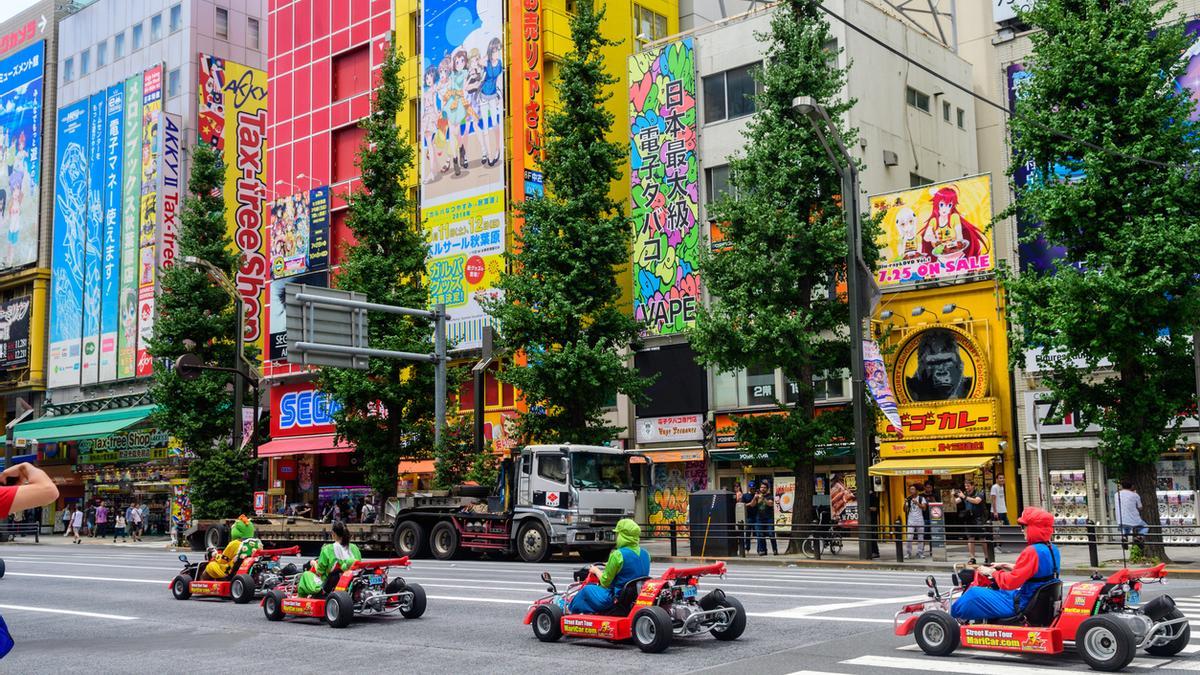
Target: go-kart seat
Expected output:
[627,596]
[1041,609]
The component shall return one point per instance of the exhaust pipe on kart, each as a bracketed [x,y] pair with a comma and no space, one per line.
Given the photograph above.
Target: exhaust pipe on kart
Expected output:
[1158,608]
[710,601]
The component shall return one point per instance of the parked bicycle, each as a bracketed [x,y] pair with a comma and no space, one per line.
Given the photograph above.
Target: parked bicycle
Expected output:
[824,533]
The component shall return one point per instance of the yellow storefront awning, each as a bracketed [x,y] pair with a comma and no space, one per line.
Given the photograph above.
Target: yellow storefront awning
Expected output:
[929,466]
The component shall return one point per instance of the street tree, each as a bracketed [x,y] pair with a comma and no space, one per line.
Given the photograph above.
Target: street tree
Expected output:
[1114,184]
[194,314]
[386,410]
[455,461]
[561,300]
[773,281]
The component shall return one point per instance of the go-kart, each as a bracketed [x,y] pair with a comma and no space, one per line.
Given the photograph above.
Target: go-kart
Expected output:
[650,612]
[257,572]
[1101,617]
[363,589]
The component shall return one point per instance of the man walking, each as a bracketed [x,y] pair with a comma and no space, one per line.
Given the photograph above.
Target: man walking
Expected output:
[970,501]
[999,507]
[101,520]
[90,516]
[135,521]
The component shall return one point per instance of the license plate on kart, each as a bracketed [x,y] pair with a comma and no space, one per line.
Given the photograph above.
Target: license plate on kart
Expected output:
[689,591]
[376,579]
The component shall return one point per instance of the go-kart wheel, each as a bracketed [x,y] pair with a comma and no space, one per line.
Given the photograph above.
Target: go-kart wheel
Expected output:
[273,605]
[737,626]
[339,609]
[532,542]
[1105,642]
[937,633]
[181,587]
[416,606]
[443,541]
[409,539]
[547,623]
[1,569]
[652,630]
[1181,640]
[242,588]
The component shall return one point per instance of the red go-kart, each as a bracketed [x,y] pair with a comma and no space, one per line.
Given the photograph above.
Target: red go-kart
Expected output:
[363,589]
[649,611]
[259,571]
[1101,617]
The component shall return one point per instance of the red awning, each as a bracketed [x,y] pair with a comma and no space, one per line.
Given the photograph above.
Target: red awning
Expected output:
[303,445]
[418,466]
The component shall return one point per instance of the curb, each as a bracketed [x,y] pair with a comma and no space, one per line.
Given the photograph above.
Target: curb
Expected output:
[786,563]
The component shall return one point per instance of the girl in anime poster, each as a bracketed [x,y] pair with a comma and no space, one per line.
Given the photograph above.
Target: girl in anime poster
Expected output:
[946,234]
[430,117]
[491,110]
[457,110]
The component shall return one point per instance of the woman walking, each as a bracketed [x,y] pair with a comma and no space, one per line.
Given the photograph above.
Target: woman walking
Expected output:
[915,507]
[76,522]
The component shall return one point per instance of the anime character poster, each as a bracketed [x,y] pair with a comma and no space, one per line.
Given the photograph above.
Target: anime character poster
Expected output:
[665,187]
[70,232]
[110,280]
[148,220]
[462,158]
[131,199]
[20,154]
[278,306]
[289,235]
[94,241]
[877,382]
[936,232]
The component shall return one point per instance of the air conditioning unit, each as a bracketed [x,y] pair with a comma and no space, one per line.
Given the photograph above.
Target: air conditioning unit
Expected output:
[890,158]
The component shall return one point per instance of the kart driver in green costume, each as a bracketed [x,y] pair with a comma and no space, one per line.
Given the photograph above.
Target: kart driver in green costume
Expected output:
[243,530]
[627,561]
[334,559]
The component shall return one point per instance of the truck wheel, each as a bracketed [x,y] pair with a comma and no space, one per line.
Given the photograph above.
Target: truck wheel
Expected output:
[1181,639]
[242,588]
[181,587]
[736,626]
[339,609]
[273,605]
[443,541]
[547,623]
[532,542]
[216,537]
[409,539]
[652,631]
[415,607]
[937,633]
[1106,643]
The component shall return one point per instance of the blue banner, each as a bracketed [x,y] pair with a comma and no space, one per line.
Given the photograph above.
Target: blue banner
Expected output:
[93,243]
[67,256]
[20,154]
[110,283]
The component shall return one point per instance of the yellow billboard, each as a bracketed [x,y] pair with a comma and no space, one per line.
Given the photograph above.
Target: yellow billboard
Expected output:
[938,232]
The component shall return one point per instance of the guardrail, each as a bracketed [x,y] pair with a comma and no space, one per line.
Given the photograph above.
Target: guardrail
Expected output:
[10,531]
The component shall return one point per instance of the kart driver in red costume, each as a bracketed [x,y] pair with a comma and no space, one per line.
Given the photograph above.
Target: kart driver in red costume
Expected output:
[1037,566]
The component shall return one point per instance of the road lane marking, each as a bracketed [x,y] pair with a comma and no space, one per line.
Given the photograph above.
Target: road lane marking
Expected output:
[724,585]
[817,617]
[809,610]
[72,612]
[161,582]
[503,601]
[79,564]
[945,665]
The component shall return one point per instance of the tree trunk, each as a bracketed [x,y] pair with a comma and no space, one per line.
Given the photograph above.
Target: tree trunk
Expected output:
[802,511]
[1145,483]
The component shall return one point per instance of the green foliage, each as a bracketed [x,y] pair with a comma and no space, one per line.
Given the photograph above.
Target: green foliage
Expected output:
[387,410]
[220,482]
[455,460]
[786,246]
[561,297]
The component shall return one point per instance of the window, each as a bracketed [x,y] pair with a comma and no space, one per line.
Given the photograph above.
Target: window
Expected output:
[648,26]
[743,388]
[962,118]
[173,83]
[946,110]
[137,36]
[68,69]
[85,62]
[824,388]
[917,100]
[351,72]
[917,180]
[346,142]
[252,38]
[102,54]
[222,23]
[119,46]
[176,20]
[156,28]
[552,467]
[716,182]
[730,94]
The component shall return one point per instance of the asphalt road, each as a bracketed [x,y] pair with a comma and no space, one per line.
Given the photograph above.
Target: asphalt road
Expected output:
[107,609]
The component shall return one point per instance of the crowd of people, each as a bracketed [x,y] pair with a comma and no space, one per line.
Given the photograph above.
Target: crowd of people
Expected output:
[99,519]
[756,508]
[979,513]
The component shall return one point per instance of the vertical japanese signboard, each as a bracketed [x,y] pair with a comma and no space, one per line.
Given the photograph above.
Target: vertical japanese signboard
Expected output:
[93,241]
[14,333]
[110,281]
[462,170]
[67,257]
[131,196]
[171,201]
[233,120]
[20,154]
[148,218]
[665,187]
[525,19]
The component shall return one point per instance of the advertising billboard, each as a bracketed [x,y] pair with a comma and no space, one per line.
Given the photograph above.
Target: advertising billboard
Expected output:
[110,278]
[171,180]
[526,98]
[131,199]
[278,317]
[664,171]
[462,157]
[20,154]
[67,253]
[299,233]
[148,215]
[232,116]
[936,232]
[93,241]
[14,333]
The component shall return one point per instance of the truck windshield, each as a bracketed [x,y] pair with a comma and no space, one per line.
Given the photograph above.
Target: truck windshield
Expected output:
[600,471]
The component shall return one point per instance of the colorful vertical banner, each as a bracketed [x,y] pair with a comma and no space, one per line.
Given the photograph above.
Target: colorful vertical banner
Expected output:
[665,187]
[131,197]
[110,281]
[94,242]
[278,315]
[171,180]
[299,233]
[67,255]
[526,99]
[318,225]
[462,157]
[21,79]
[935,232]
[148,215]
[877,381]
[233,119]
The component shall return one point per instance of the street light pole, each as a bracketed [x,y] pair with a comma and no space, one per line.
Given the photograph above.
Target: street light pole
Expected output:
[825,129]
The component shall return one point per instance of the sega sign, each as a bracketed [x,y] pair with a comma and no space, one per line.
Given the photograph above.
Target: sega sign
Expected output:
[301,410]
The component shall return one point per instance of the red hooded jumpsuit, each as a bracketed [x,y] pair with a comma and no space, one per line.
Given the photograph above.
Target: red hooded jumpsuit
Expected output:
[1037,566]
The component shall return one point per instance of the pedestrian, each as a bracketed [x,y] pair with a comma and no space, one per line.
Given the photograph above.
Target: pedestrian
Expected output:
[999,507]
[136,521]
[120,529]
[145,509]
[90,516]
[765,514]
[915,508]
[873,507]
[930,498]
[76,522]
[1129,516]
[66,521]
[971,504]
[368,512]
[739,517]
[22,486]
[102,519]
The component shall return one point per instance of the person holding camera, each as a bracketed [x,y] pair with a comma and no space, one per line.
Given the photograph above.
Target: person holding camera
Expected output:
[971,504]
[24,486]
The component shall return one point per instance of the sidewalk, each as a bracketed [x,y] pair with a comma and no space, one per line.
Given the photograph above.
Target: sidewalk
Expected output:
[160,543]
